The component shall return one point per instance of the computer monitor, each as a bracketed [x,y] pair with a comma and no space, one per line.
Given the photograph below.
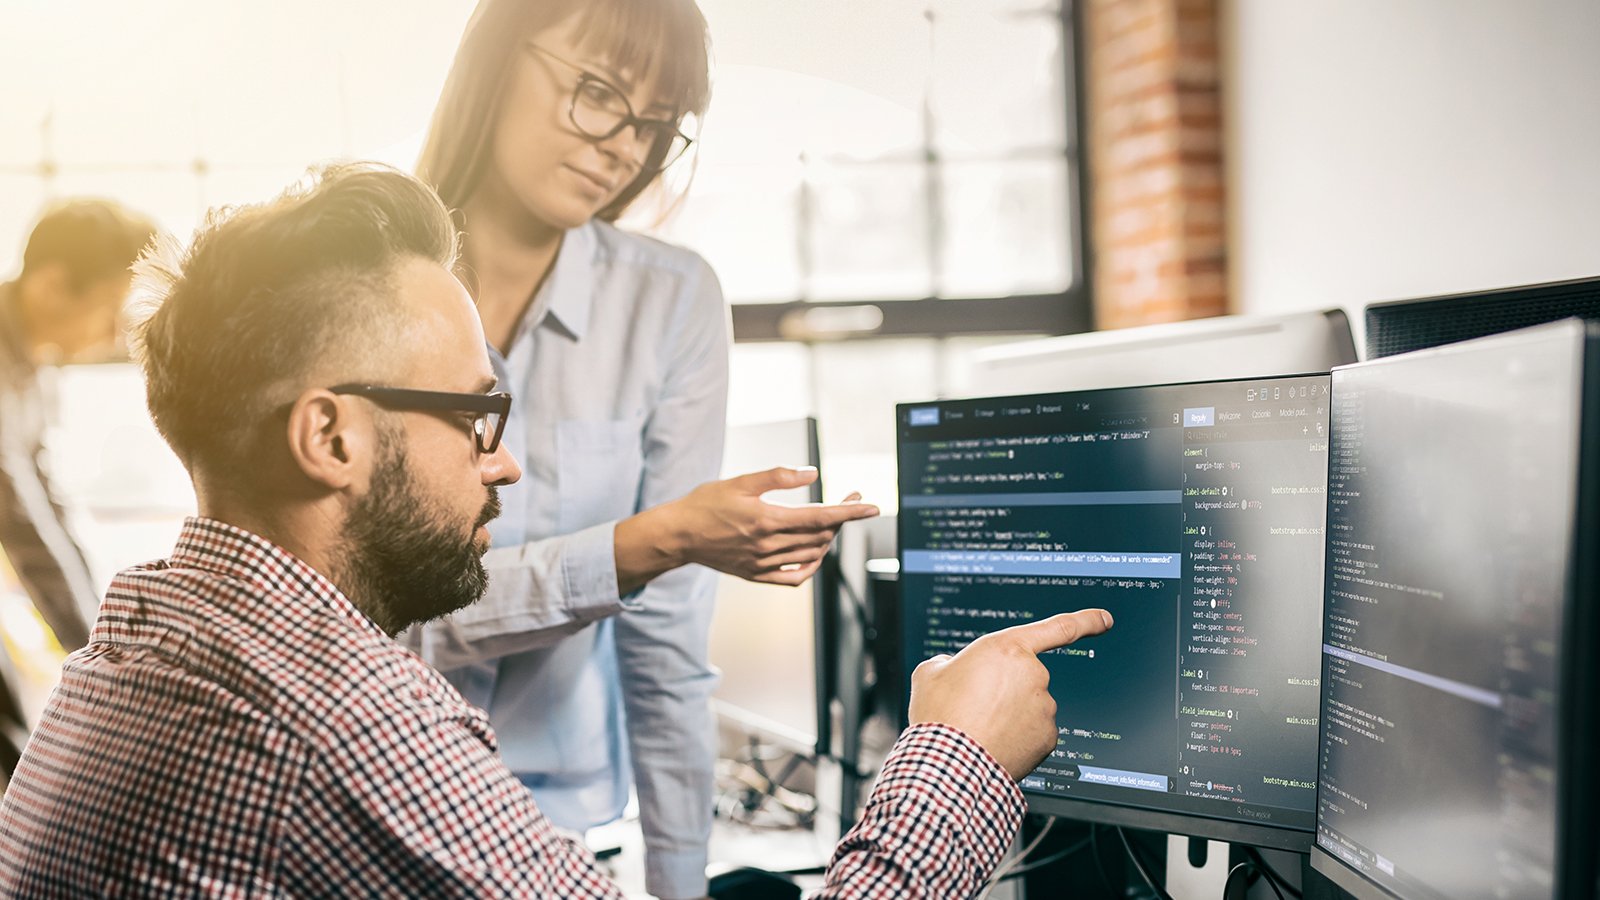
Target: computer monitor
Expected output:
[1402,326]
[1459,646]
[1197,350]
[869,606]
[1194,513]
[764,637]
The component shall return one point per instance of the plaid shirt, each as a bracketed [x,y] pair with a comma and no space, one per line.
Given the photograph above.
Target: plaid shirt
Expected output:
[236,727]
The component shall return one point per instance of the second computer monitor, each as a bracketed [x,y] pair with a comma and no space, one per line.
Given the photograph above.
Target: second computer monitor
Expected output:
[1196,350]
[1459,696]
[1194,513]
[764,637]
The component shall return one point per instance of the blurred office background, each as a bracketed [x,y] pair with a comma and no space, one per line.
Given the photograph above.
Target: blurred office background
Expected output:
[883,186]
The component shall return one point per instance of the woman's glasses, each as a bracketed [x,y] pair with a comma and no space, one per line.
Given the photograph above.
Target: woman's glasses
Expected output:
[599,111]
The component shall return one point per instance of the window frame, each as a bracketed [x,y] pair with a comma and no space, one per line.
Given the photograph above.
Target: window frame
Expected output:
[1065,312]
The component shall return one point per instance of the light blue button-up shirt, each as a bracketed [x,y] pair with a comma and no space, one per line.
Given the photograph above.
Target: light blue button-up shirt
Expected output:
[619,372]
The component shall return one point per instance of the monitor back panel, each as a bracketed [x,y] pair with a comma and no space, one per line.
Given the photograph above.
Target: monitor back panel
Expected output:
[1222,347]
[1406,325]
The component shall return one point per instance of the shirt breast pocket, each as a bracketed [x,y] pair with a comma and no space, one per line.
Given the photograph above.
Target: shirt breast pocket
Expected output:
[599,466]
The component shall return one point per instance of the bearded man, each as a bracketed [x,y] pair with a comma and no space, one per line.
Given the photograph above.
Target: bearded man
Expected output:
[242,723]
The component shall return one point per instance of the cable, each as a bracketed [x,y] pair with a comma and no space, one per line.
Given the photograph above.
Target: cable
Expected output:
[1232,888]
[1139,864]
[858,606]
[1251,872]
[756,792]
[1099,862]
[1050,860]
[999,874]
[1278,881]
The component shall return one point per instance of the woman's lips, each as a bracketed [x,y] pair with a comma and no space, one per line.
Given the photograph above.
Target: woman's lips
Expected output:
[599,184]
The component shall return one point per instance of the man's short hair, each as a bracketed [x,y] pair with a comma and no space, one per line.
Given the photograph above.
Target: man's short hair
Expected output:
[89,239]
[267,293]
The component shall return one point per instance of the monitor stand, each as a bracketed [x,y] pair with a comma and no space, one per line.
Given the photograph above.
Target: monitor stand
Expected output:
[1184,878]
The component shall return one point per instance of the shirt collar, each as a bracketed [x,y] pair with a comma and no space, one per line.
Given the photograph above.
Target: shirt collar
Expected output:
[231,552]
[568,294]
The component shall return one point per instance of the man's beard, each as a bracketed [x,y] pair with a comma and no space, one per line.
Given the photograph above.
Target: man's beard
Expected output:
[402,561]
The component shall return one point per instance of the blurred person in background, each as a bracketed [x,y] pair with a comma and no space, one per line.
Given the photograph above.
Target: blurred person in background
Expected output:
[590,649]
[64,306]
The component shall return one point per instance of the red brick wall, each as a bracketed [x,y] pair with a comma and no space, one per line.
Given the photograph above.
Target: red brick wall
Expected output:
[1155,167]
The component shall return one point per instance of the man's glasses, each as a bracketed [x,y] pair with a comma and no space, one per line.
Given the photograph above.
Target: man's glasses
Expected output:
[599,110]
[487,425]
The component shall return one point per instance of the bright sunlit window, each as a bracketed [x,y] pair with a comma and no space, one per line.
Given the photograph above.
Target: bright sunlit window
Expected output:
[855,150]
[172,106]
[885,150]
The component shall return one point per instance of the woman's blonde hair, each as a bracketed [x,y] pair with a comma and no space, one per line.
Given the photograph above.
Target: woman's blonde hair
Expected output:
[663,40]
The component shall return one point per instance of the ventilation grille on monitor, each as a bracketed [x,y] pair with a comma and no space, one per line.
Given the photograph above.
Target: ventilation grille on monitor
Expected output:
[1409,325]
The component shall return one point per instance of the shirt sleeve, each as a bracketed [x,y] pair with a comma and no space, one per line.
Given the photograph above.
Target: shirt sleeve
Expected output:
[539,592]
[938,822]
[662,641]
[417,803]
[47,560]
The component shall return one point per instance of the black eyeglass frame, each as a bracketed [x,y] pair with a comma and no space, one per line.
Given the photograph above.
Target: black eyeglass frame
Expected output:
[409,400]
[661,126]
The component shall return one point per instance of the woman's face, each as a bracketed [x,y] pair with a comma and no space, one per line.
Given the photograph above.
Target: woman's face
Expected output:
[559,175]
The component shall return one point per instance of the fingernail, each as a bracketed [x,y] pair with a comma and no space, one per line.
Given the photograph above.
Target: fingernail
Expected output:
[805,468]
[1107,617]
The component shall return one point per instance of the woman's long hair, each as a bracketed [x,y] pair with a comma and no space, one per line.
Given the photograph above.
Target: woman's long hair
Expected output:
[662,39]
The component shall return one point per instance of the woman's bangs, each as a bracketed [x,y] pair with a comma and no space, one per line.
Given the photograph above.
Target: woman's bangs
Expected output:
[660,40]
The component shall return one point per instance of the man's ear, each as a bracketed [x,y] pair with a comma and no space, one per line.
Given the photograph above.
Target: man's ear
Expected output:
[330,440]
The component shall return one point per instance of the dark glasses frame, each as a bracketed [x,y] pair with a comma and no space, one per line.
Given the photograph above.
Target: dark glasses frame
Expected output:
[488,427]
[671,144]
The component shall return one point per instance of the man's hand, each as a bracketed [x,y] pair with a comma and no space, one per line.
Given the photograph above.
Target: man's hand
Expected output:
[725,525]
[996,690]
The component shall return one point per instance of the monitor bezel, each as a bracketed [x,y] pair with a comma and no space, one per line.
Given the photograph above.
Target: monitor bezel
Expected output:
[1345,878]
[1291,838]
[1576,866]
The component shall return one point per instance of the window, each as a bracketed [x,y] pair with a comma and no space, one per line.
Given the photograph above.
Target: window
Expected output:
[888,167]
[904,169]
[191,104]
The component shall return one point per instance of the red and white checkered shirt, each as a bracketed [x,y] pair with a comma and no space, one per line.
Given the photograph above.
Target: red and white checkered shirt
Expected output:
[236,727]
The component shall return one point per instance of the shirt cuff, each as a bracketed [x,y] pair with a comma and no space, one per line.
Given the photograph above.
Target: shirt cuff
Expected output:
[675,874]
[589,572]
[947,775]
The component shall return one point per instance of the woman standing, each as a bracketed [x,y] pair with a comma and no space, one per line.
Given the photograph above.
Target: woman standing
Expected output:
[590,650]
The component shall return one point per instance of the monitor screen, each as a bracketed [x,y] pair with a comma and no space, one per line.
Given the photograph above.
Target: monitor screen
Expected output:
[1452,495]
[1194,513]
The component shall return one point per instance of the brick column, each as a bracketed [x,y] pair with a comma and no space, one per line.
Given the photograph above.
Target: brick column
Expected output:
[1155,168]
